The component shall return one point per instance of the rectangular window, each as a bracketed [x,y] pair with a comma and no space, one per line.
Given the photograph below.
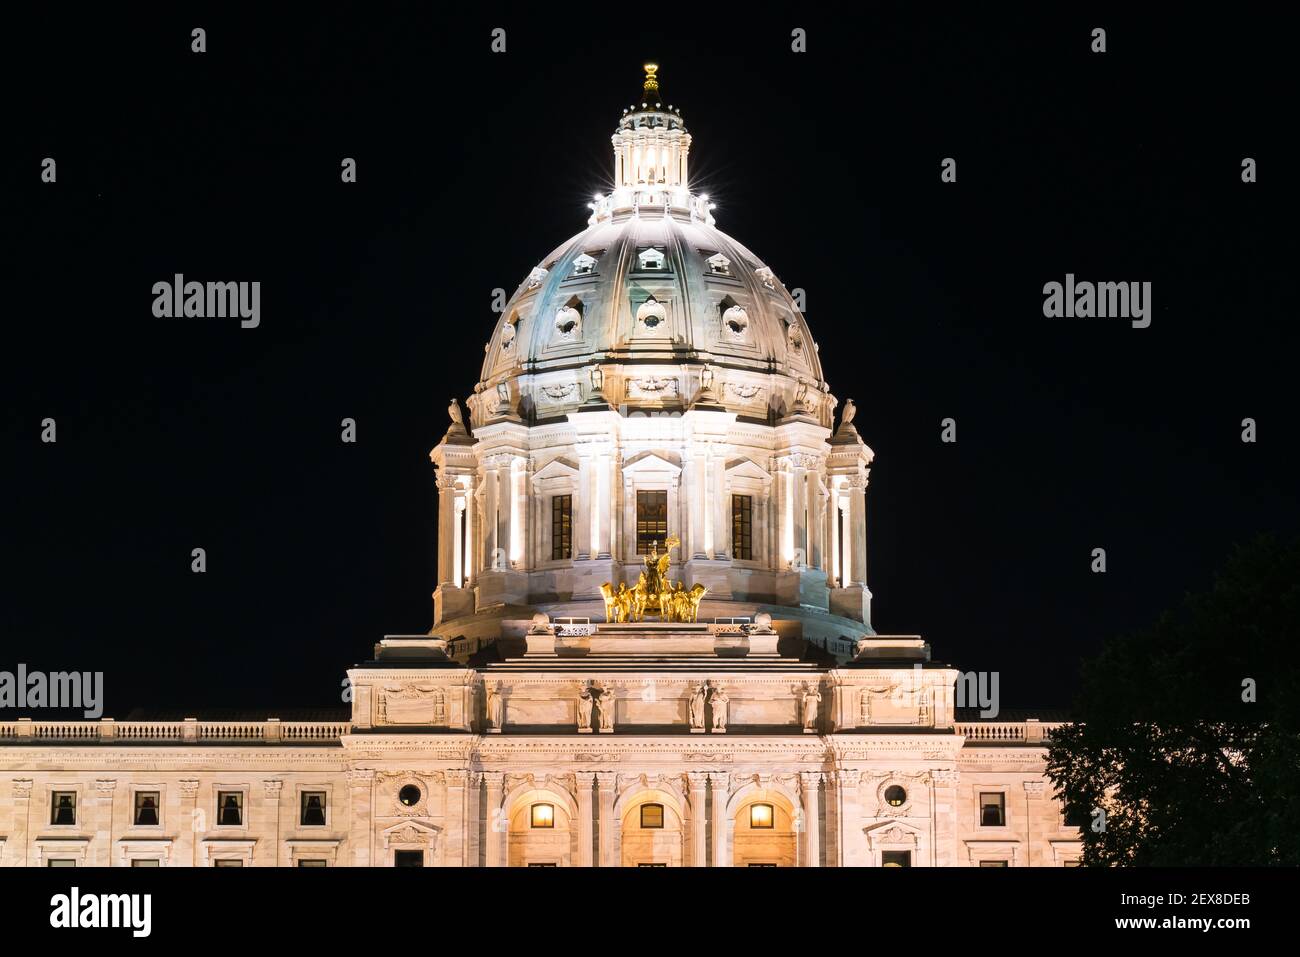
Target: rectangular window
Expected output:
[652,815]
[543,864]
[895,858]
[652,864]
[63,807]
[408,858]
[993,863]
[651,520]
[227,862]
[742,527]
[145,862]
[230,808]
[993,809]
[312,812]
[146,808]
[561,526]
[311,862]
[61,862]
[761,864]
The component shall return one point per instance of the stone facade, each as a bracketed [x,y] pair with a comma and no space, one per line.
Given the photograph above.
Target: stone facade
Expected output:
[650,384]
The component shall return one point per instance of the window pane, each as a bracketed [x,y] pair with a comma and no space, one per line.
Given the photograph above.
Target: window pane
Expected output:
[313,808]
[895,858]
[761,816]
[543,815]
[993,863]
[61,862]
[227,862]
[146,808]
[230,808]
[992,810]
[408,858]
[145,862]
[63,807]
[742,539]
[561,526]
[652,815]
[651,520]
[311,862]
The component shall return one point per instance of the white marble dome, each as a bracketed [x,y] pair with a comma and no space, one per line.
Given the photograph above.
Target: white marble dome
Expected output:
[672,311]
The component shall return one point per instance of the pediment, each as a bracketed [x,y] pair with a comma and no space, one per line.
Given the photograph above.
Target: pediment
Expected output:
[892,832]
[556,468]
[651,462]
[409,832]
[747,468]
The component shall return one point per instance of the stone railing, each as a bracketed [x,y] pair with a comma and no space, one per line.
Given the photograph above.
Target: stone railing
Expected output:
[1031,731]
[24,731]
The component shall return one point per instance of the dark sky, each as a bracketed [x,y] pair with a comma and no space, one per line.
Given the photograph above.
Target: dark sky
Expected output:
[925,299]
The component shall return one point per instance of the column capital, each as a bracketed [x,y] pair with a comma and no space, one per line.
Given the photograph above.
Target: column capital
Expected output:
[22,788]
[189,787]
[585,778]
[698,779]
[273,788]
[849,777]
[810,779]
[495,780]
[106,785]
[606,780]
[457,777]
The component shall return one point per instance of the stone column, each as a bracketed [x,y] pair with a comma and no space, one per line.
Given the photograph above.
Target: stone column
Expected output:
[497,826]
[456,836]
[809,782]
[813,503]
[721,852]
[604,506]
[699,818]
[586,781]
[490,482]
[858,531]
[192,822]
[20,836]
[361,785]
[698,541]
[943,791]
[272,791]
[605,782]
[798,511]
[446,531]
[582,510]
[506,512]
[720,505]
[848,816]
[101,847]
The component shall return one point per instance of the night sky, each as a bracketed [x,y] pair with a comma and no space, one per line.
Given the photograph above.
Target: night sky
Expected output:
[925,299]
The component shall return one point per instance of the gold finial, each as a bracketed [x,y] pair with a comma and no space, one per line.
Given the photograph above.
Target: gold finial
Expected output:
[651,81]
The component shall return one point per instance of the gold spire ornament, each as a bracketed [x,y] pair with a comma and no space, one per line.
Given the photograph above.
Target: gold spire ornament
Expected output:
[651,81]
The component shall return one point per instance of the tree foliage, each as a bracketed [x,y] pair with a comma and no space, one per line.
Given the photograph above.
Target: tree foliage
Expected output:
[1186,769]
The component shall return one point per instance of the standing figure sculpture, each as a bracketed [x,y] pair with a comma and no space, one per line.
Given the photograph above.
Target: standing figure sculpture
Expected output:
[811,699]
[605,707]
[695,708]
[585,700]
[495,708]
[718,701]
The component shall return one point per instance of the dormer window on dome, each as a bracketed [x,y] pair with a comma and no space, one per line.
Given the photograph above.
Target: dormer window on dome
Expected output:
[584,265]
[651,259]
[719,265]
[652,314]
[735,320]
[568,320]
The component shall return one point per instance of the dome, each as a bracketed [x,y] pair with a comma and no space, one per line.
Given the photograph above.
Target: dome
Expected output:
[651,306]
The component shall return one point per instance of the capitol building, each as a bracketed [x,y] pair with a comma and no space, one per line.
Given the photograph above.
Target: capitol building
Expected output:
[652,641]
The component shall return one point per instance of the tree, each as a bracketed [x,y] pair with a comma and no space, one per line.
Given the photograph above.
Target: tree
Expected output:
[1187,735]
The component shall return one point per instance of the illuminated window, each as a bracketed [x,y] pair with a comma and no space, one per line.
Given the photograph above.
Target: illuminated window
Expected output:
[895,858]
[895,796]
[543,815]
[230,808]
[993,863]
[651,520]
[146,862]
[227,862]
[63,807]
[312,812]
[1071,863]
[652,815]
[742,539]
[993,809]
[409,795]
[146,808]
[761,816]
[561,526]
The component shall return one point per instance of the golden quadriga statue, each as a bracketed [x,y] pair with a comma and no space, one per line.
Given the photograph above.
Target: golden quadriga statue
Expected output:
[653,592]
